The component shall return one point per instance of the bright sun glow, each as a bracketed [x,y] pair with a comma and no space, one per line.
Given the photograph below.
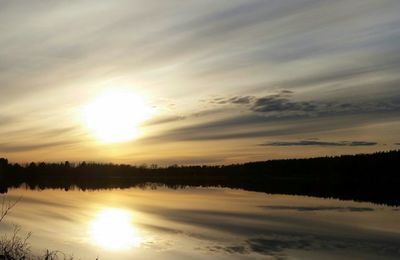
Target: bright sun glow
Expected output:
[113,230]
[116,116]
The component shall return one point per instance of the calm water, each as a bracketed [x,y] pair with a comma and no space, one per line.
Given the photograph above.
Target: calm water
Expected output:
[198,223]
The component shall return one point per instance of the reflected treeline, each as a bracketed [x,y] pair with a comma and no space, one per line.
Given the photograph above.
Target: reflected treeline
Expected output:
[366,177]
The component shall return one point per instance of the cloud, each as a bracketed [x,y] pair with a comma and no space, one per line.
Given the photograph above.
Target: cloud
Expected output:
[164,120]
[337,62]
[6,147]
[318,208]
[320,143]
[283,104]
[250,126]
[277,104]
[186,160]
[4,120]
[349,75]
[216,40]
[278,115]
[233,100]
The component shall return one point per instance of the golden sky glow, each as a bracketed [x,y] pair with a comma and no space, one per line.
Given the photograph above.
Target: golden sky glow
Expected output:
[197,82]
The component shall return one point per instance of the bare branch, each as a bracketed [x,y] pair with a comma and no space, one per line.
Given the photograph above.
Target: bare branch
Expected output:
[6,206]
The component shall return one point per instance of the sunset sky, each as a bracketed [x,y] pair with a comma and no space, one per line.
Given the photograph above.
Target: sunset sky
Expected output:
[198,82]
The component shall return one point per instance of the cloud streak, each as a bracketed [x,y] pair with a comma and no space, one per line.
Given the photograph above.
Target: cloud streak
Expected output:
[320,143]
[283,104]
[317,208]
[12,148]
[267,69]
[281,114]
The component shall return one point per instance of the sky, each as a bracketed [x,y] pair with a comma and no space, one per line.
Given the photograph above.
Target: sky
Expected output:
[220,81]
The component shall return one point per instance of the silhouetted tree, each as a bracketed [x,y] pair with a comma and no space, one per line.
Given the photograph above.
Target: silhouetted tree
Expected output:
[367,177]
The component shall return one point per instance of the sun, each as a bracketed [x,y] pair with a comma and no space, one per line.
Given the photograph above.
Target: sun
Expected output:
[113,230]
[116,116]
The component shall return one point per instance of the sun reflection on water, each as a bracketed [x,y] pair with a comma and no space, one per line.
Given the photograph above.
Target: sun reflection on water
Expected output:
[112,229]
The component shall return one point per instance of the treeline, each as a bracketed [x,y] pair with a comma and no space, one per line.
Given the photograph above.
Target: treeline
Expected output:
[365,177]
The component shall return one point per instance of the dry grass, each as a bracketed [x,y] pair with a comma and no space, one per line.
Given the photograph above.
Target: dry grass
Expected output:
[17,247]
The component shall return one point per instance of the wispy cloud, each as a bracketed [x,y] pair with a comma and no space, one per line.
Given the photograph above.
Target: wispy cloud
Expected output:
[284,104]
[276,68]
[12,148]
[320,143]
[164,120]
[317,208]
[280,114]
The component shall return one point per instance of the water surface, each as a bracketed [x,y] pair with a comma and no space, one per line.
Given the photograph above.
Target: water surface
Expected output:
[198,223]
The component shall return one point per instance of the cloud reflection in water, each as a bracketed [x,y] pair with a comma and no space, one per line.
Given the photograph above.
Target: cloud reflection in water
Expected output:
[198,223]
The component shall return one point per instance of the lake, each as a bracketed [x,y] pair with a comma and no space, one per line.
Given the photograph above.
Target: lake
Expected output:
[157,222]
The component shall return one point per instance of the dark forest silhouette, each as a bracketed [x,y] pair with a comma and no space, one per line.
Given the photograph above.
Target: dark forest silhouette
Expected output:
[364,177]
